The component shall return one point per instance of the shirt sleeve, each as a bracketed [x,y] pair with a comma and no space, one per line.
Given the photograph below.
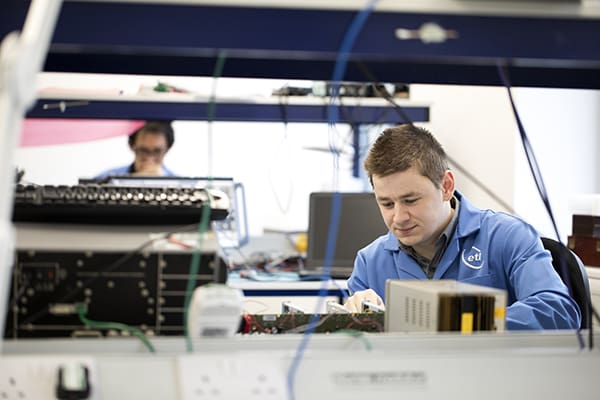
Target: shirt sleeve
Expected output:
[542,299]
[358,278]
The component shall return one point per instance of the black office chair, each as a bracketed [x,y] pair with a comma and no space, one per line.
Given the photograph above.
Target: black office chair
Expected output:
[577,279]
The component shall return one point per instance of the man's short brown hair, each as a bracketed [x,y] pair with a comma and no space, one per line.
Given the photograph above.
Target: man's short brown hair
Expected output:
[401,147]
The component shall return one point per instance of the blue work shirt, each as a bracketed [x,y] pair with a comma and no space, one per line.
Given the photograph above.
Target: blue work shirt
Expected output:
[126,170]
[488,248]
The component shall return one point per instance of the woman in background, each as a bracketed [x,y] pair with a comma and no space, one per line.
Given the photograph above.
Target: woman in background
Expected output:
[150,144]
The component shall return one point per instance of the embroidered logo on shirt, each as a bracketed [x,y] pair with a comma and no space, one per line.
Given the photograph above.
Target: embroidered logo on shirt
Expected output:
[472,259]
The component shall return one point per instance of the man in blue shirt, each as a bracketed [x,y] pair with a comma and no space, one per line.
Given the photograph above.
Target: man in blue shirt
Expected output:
[436,233]
[150,144]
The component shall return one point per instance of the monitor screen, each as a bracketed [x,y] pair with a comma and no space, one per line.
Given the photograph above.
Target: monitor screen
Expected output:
[360,223]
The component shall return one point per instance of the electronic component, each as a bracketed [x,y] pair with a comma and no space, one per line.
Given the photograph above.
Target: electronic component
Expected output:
[287,307]
[298,323]
[215,310]
[367,306]
[586,225]
[335,307]
[443,305]
[106,204]
[48,285]
[346,89]
[73,382]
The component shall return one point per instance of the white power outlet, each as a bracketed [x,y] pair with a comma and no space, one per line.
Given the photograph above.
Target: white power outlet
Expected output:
[27,377]
[231,377]
[12,385]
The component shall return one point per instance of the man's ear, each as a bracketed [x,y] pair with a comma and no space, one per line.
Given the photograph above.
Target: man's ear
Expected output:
[448,185]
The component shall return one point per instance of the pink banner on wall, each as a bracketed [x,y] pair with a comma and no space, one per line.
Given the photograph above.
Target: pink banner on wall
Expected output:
[52,131]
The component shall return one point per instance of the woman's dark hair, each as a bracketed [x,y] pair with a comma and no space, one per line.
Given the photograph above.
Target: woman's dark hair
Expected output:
[161,127]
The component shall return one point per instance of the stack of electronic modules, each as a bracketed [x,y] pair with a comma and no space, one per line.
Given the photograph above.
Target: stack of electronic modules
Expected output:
[585,240]
[95,247]
[443,305]
[144,289]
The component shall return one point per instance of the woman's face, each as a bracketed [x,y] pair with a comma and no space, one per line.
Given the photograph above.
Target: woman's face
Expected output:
[150,149]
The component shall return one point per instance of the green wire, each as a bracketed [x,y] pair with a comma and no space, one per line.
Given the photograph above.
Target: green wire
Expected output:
[81,310]
[203,227]
[194,267]
[358,335]
[212,105]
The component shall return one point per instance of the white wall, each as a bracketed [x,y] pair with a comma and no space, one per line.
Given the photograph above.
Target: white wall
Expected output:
[563,128]
[475,125]
[476,128]
[480,131]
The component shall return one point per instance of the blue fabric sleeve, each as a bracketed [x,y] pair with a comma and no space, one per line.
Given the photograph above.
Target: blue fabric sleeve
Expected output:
[542,299]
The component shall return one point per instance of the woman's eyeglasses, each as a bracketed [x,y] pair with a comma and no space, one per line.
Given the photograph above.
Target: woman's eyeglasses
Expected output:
[144,151]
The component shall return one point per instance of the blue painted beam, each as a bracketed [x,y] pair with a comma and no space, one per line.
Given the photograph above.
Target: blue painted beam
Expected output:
[179,39]
[365,114]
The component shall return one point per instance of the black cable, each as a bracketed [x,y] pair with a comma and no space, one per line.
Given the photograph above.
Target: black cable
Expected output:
[539,182]
[283,105]
[381,91]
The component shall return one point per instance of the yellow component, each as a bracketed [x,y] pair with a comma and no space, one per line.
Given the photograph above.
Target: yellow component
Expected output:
[466,323]
[301,243]
[499,312]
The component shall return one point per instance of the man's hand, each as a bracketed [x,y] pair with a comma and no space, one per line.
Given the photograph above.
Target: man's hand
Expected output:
[354,302]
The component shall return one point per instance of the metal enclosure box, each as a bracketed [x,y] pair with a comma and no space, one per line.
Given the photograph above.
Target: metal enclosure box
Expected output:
[427,305]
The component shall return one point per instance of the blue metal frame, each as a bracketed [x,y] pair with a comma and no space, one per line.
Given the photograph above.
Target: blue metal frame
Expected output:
[363,114]
[176,39]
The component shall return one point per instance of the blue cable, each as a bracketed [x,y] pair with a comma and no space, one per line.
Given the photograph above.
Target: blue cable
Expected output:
[332,113]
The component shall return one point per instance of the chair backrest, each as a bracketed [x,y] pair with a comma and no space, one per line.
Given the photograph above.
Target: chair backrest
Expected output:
[576,276]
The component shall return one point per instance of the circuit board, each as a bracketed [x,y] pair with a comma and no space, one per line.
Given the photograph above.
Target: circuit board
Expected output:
[323,323]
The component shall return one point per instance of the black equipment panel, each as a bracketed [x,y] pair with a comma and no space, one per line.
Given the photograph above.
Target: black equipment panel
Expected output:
[145,290]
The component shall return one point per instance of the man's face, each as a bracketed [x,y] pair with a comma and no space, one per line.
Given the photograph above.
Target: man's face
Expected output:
[414,209]
[150,149]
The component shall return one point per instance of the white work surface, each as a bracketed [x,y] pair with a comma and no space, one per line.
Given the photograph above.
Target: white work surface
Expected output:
[382,366]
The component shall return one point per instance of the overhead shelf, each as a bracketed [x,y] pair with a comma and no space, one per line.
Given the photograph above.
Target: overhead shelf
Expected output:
[288,109]
[184,38]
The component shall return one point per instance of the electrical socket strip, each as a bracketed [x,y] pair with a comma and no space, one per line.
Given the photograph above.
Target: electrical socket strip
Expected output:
[29,377]
[232,377]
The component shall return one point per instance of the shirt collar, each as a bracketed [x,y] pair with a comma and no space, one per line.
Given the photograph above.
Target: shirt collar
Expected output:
[447,233]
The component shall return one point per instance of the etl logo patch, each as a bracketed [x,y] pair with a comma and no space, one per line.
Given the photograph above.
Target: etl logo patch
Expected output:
[473,258]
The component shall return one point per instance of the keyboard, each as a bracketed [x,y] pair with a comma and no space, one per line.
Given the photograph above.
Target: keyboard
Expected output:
[116,205]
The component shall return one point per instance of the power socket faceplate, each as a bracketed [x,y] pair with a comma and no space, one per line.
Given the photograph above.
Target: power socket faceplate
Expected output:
[35,377]
[231,377]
